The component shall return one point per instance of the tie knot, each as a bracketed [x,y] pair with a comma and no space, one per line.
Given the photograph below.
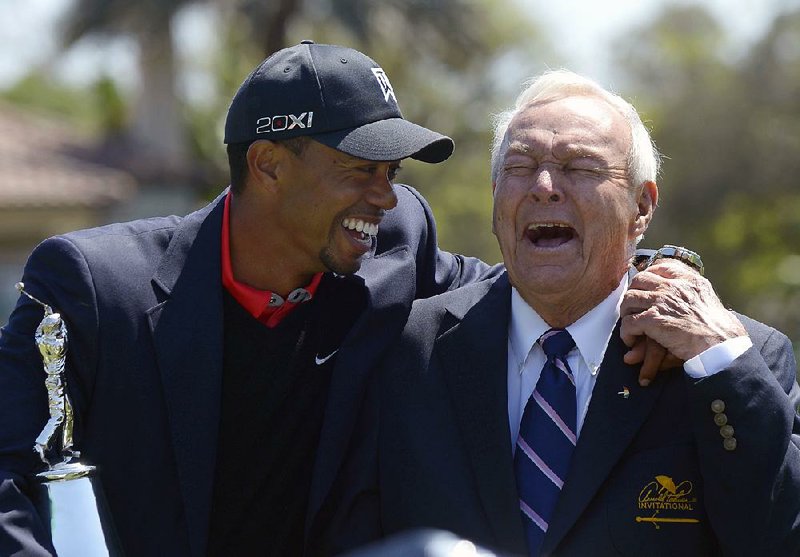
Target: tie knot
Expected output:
[556,343]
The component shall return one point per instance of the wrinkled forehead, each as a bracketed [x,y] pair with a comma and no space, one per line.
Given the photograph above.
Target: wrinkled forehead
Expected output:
[570,124]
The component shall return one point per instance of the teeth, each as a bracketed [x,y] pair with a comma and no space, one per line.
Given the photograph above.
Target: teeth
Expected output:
[359,225]
[547,225]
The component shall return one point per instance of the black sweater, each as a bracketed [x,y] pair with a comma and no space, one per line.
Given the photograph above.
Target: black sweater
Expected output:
[273,403]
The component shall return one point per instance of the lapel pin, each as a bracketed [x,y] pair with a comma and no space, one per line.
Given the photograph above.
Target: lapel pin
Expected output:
[624,393]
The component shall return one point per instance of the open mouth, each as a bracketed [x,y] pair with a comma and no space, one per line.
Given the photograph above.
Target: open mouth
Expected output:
[550,234]
[360,230]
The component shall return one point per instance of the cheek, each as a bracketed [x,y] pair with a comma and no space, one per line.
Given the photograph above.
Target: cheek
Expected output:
[503,225]
[613,240]
[506,201]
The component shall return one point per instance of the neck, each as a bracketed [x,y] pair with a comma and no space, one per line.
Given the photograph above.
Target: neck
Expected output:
[258,250]
[559,310]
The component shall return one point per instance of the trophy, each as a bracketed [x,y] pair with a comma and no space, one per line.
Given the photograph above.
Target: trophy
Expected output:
[73,505]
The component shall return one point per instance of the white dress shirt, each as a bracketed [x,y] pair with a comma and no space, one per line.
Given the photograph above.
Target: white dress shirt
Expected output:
[591,334]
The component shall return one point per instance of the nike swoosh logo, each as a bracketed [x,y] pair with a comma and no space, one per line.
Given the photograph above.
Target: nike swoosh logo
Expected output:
[319,361]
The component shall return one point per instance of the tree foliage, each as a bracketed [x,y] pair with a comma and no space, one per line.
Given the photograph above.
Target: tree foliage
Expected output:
[730,131]
[156,123]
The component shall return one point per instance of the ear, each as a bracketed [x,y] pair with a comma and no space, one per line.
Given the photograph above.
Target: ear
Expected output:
[646,203]
[262,161]
[494,207]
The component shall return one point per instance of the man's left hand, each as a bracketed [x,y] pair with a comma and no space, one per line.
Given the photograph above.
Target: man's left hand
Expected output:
[676,308]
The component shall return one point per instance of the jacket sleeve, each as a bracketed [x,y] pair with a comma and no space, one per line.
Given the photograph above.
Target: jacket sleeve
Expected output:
[437,270]
[56,274]
[753,491]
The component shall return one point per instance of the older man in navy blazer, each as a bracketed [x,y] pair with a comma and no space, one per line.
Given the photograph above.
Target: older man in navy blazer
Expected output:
[512,413]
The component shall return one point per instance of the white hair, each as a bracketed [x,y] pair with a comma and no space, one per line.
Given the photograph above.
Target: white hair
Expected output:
[643,157]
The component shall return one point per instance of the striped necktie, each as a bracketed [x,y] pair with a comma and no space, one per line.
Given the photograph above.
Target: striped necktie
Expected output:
[546,438]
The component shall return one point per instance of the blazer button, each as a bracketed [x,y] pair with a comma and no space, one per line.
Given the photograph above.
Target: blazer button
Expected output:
[726,431]
[729,443]
[720,419]
[717,406]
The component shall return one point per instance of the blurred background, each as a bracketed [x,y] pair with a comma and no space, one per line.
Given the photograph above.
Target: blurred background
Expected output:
[114,109]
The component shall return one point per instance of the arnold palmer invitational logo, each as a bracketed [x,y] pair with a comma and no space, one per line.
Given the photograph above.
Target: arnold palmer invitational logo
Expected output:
[663,494]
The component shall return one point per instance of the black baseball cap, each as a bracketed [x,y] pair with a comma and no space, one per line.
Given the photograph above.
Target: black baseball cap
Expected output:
[334,94]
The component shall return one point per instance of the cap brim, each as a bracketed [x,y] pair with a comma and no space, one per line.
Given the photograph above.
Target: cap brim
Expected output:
[390,140]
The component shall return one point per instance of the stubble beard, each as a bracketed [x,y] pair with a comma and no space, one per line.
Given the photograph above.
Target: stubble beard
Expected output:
[336,265]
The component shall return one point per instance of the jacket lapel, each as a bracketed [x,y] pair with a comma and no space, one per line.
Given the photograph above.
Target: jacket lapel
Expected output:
[389,291]
[611,424]
[187,328]
[474,355]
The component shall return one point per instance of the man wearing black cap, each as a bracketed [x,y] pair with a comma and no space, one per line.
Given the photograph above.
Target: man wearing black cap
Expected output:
[216,362]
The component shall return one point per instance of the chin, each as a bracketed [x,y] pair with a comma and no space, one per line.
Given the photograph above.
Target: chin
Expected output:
[336,265]
[545,280]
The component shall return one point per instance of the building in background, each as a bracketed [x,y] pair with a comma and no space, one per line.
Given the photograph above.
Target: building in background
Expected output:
[53,180]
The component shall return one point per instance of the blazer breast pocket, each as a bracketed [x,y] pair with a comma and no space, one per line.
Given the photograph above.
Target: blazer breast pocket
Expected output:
[654,505]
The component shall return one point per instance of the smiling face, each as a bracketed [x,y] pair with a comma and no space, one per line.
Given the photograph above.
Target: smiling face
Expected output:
[331,206]
[565,215]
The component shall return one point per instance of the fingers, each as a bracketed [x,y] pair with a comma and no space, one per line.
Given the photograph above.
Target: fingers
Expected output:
[647,280]
[672,268]
[650,354]
[637,301]
[636,354]
[632,328]
[646,289]
[671,361]
[665,291]
[654,355]
[652,307]
[661,273]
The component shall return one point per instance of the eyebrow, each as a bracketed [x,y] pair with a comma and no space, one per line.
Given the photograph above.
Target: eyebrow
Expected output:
[518,147]
[570,149]
[577,150]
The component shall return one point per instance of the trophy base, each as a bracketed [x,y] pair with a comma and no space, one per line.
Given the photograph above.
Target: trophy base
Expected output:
[64,471]
[80,524]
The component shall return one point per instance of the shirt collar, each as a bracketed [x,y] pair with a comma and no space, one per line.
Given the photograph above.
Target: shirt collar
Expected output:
[255,301]
[591,332]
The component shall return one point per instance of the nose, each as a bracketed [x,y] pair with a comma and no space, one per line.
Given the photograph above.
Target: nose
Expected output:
[546,185]
[381,192]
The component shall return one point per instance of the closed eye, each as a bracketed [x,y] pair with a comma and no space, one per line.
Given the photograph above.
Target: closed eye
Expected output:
[519,169]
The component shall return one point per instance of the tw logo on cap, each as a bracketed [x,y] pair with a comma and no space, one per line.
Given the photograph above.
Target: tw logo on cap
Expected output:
[383,81]
[283,122]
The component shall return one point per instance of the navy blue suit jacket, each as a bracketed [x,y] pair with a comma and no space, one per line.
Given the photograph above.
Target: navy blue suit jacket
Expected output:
[649,476]
[143,306]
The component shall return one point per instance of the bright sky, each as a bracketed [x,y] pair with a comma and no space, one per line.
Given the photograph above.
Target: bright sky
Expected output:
[583,30]
[580,29]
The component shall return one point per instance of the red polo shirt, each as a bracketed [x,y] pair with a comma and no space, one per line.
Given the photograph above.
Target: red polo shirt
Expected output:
[255,301]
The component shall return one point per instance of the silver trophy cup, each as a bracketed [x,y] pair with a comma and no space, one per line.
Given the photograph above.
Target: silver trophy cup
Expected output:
[72,502]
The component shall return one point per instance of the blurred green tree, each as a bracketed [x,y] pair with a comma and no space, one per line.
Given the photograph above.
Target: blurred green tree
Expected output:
[156,120]
[730,130]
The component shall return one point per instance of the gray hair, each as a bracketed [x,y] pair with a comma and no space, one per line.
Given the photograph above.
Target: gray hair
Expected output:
[643,158]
